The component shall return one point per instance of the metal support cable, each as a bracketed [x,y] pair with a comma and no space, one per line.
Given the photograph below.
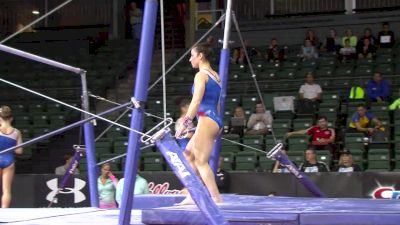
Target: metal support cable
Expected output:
[187,52]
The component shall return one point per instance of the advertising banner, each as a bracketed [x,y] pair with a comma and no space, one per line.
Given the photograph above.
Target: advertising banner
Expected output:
[38,190]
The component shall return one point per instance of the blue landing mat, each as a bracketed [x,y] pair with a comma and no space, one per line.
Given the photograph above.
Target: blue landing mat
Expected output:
[148,201]
[64,216]
[240,209]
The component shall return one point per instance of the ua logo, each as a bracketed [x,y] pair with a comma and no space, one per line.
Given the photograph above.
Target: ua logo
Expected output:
[78,185]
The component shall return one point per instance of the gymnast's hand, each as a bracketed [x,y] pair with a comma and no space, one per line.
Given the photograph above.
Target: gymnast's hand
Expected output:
[183,127]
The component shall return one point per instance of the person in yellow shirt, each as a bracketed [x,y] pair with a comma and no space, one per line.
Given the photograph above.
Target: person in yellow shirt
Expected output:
[361,122]
[349,35]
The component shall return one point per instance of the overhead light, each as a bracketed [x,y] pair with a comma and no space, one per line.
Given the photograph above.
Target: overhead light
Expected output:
[36,12]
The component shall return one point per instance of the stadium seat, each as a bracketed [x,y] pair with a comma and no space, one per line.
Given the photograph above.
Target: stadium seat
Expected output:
[115,132]
[40,120]
[115,164]
[153,161]
[298,143]
[255,141]
[378,160]
[297,157]
[246,161]
[265,164]
[120,145]
[103,146]
[301,124]
[354,141]
[35,108]
[324,156]
[228,158]
[249,101]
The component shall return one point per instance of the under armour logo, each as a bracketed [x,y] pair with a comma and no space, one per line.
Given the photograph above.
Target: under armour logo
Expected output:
[78,185]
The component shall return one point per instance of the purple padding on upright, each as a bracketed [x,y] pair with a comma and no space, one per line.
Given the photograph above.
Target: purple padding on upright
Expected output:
[71,168]
[303,179]
[175,158]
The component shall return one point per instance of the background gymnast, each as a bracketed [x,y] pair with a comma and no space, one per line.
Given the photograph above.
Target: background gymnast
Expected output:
[206,91]
[9,137]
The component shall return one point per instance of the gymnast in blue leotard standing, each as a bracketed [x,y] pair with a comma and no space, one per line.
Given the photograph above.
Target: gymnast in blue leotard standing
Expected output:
[206,91]
[9,137]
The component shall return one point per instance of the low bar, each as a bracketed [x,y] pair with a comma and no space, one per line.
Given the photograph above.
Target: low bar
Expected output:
[63,129]
[40,59]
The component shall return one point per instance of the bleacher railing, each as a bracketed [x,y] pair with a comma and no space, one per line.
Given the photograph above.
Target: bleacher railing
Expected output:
[259,9]
[15,12]
[373,4]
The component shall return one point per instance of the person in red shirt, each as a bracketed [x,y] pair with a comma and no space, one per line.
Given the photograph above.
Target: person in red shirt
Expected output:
[322,136]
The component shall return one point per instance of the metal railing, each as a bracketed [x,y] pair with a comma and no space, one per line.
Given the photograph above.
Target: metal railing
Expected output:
[374,4]
[259,9]
[14,13]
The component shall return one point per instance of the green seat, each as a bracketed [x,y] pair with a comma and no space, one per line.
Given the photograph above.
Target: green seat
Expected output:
[329,99]
[303,71]
[354,141]
[115,164]
[249,101]
[246,161]
[378,160]
[230,148]
[115,131]
[265,164]
[54,108]
[298,143]
[324,156]
[300,124]
[296,157]
[324,72]
[397,161]
[329,112]
[22,121]
[385,69]
[57,121]
[153,157]
[231,102]
[40,120]
[309,64]
[40,131]
[255,141]
[270,142]
[26,133]
[120,145]
[36,108]
[103,146]
[363,71]
[358,155]
[282,124]
[18,109]
[228,160]
[287,73]
[227,145]
[289,65]
[153,161]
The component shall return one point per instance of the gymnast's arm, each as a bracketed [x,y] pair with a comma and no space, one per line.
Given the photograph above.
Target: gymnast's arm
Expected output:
[199,88]
[19,151]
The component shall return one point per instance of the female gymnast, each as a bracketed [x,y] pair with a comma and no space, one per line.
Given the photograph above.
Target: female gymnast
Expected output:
[9,137]
[204,104]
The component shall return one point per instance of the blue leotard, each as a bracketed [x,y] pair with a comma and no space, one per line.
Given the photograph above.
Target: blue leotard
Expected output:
[209,103]
[7,141]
